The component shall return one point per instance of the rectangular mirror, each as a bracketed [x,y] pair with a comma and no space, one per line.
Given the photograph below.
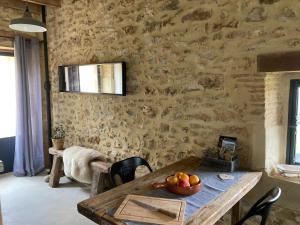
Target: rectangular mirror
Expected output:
[103,78]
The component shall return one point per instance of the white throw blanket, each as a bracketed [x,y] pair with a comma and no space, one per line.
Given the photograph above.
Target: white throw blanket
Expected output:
[77,163]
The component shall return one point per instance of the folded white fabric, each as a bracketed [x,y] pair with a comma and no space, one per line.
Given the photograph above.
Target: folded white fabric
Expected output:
[292,169]
[77,163]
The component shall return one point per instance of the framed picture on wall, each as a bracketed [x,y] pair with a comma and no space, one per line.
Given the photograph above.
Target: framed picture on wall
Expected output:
[227,140]
[227,146]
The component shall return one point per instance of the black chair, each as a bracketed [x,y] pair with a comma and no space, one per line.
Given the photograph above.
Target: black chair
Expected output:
[263,206]
[126,169]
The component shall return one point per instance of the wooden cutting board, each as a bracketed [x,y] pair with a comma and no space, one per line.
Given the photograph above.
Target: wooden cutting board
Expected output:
[128,210]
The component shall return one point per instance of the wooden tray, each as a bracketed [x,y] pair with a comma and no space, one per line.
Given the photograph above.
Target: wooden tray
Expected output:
[130,211]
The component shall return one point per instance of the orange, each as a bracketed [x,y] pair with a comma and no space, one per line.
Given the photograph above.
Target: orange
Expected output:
[172,180]
[184,176]
[194,179]
[178,174]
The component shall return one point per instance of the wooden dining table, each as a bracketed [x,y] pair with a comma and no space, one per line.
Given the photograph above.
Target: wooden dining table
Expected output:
[97,208]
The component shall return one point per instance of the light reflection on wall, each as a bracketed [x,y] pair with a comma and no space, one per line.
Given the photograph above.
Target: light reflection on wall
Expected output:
[88,77]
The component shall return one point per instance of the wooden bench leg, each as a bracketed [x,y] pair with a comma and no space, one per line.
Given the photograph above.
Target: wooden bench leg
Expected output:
[99,183]
[56,171]
[235,213]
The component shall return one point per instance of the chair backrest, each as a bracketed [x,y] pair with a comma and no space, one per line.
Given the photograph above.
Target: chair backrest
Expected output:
[126,169]
[263,206]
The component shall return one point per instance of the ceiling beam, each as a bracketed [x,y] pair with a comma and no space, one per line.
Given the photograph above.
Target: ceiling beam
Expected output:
[55,3]
[19,5]
[12,34]
[281,61]
[6,49]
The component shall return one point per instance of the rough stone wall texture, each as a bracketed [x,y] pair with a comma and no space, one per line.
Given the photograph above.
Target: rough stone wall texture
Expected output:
[275,134]
[274,101]
[191,73]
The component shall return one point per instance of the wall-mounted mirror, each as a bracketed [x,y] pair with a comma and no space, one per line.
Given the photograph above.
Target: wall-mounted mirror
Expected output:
[103,78]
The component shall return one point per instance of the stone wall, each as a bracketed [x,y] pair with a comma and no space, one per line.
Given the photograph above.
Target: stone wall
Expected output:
[274,120]
[191,74]
[191,69]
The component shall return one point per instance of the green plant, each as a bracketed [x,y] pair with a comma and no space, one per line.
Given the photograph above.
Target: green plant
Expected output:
[58,132]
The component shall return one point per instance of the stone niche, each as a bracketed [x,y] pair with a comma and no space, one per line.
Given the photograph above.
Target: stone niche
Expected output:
[276,123]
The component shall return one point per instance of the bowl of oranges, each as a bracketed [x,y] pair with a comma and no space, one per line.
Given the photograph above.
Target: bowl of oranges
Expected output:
[181,183]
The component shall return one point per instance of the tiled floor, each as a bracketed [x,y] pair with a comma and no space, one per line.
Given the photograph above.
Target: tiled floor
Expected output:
[30,201]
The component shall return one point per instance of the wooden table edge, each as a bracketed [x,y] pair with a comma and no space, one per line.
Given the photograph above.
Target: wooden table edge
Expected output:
[103,215]
[240,192]
[98,214]
[94,213]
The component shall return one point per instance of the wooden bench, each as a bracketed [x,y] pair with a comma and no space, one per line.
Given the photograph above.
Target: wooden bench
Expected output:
[100,181]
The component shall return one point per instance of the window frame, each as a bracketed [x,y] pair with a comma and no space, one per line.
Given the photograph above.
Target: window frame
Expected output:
[292,122]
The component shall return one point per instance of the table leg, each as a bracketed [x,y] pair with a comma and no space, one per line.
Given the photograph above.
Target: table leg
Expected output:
[99,183]
[56,171]
[235,213]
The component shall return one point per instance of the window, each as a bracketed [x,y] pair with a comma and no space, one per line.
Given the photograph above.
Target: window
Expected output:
[7,96]
[293,139]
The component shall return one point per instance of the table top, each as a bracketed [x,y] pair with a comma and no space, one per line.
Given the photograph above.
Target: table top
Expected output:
[97,208]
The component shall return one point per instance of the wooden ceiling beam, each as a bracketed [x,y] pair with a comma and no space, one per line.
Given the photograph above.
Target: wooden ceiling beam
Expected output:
[12,34]
[19,5]
[55,3]
[280,61]
[6,49]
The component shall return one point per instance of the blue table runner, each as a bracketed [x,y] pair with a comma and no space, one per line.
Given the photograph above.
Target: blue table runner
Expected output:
[212,187]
